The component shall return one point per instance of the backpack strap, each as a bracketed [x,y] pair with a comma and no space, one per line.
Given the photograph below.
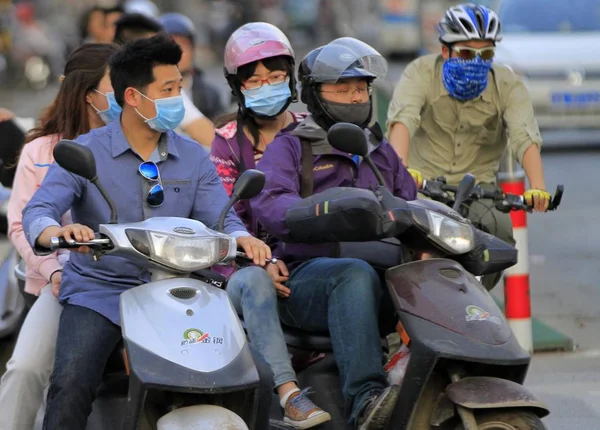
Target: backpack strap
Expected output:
[306,181]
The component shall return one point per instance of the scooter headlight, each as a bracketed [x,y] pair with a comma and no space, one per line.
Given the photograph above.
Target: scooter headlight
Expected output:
[186,254]
[453,236]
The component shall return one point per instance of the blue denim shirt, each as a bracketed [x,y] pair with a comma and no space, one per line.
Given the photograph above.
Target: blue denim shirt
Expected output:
[192,190]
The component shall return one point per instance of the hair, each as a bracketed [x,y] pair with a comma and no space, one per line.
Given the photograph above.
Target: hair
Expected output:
[68,113]
[133,26]
[245,72]
[84,21]
[133,65]
[114,9]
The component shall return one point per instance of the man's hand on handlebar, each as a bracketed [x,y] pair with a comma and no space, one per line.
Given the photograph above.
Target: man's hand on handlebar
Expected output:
[416,175]
[535,199]
[70,233]
[538,199]
[255,249]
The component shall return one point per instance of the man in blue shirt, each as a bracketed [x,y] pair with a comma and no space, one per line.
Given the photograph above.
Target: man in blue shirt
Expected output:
[147,84]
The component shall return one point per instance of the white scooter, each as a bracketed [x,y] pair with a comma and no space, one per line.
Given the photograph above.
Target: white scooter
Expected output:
[12,302]
[188,362]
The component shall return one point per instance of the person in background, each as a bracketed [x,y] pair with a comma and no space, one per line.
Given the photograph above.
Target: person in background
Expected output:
[133,26]
[92,26]
[205,95]
[111,16]
[85,101]
[262,78]
[195,124]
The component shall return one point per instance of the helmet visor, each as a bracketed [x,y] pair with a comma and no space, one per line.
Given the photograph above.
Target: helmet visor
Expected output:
[348,57]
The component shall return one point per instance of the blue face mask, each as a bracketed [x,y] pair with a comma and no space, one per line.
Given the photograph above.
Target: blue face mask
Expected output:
[268,100]
[465,79]
[113,112]
[169,113]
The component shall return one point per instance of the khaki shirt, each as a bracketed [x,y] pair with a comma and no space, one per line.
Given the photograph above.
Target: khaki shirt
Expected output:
[451,137]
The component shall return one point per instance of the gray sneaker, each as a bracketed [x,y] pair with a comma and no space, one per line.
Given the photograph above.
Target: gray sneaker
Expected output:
[378,408]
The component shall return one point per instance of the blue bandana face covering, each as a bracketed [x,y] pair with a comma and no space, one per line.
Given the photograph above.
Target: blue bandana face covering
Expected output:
[465,79]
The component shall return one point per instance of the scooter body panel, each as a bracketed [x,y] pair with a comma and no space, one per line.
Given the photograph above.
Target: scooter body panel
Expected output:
[442,292]
[184,321]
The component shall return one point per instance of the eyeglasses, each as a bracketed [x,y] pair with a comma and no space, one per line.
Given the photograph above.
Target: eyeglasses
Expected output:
[467,53]
[156,195]
[350,91]
[255,83]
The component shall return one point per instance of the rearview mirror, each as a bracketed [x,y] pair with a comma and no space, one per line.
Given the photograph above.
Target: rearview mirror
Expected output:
[249,184]
[348,138]
[80,161]
[76,158]
[464,190]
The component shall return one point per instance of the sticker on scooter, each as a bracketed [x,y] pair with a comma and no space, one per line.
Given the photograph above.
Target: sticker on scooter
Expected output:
[194,336]
[475,313]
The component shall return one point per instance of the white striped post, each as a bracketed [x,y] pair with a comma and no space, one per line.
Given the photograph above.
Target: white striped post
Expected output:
[516,279]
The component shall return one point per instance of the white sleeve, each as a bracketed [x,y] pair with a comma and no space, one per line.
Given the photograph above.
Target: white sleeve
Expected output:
[191,111]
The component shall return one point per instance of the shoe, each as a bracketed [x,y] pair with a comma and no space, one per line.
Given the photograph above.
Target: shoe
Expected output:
[302,413]
[378,408]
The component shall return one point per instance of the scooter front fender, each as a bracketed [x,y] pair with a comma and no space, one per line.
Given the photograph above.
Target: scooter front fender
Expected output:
[482,392]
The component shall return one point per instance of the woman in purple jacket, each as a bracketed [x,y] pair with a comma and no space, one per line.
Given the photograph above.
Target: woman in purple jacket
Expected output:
[259,67]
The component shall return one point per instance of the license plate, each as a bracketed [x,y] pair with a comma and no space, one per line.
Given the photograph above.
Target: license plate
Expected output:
[590,98]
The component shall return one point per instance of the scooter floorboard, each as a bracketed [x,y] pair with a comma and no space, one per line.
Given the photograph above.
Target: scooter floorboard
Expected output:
[324,379]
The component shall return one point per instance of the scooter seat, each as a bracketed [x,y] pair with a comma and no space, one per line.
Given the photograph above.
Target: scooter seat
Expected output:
[309,341]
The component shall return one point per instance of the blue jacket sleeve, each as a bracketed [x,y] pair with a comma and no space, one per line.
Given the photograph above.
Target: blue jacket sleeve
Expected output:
[211,198]
[56,195]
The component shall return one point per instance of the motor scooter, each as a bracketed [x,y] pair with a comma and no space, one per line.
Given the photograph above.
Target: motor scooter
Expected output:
[187,362]
[12,303]
[466,369]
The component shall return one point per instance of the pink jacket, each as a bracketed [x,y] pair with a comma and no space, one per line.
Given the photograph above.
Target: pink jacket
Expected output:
[34,162]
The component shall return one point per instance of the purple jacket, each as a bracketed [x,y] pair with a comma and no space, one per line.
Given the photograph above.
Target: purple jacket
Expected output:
[225,154]
[281,164]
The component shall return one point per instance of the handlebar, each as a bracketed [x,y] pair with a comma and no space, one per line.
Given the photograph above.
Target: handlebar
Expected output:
[505,202]
[100,243]
[243,256]
[103,243]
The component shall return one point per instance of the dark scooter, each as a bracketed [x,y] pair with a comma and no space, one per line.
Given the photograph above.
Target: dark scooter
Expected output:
[466,369]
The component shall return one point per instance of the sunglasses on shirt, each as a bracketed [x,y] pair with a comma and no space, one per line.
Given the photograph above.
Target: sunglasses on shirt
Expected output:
[467,53]
[156,195]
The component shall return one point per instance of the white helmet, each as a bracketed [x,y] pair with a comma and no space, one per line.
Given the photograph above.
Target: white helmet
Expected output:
[469,22]
[144,7]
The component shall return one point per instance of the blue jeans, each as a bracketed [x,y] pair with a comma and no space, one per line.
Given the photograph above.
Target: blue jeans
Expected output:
[253,295]
[85,341]
[342,296]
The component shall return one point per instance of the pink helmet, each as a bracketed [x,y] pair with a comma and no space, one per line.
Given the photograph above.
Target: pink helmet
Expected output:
[253,42]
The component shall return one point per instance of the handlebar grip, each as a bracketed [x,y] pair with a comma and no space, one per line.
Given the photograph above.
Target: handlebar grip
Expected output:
[57,243]
[61,243]
[245,257]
